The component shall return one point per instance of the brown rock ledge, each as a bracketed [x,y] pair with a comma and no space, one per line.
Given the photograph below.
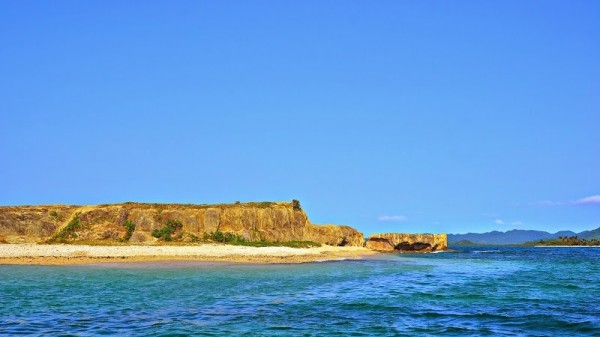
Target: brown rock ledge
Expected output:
[390,242]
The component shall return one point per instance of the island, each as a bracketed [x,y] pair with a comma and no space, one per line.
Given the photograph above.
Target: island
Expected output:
[565,241]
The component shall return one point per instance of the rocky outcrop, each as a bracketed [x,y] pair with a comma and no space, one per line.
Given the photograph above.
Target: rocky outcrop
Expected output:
[407,242]
[258,221]
[334,235]
[32,223]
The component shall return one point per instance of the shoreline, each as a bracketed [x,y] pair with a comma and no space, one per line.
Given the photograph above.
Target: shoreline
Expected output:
[566,246]
[65,254]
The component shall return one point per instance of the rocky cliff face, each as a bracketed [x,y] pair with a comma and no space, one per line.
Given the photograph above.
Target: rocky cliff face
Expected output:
[134,222]
[407,242]
[32,223]
[334,235]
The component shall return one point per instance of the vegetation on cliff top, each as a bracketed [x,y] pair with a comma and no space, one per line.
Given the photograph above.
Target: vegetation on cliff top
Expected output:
[258,204]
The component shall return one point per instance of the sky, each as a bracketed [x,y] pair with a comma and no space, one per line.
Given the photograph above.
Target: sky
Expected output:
[388,116]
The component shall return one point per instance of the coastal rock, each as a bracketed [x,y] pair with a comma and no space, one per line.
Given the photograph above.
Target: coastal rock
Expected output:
[334,235]
[255,221]
[407,242]
[20,224]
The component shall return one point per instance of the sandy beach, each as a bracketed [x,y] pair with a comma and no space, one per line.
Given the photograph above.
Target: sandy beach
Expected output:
[78,254]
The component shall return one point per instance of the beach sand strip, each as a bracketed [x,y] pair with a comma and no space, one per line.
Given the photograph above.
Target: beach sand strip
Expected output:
[61,254]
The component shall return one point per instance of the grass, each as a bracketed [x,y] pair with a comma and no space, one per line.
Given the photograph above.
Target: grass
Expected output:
[264,204]
[236,240]
[159,206]
[69,231]
[222,237]
[56,216]
[291,244]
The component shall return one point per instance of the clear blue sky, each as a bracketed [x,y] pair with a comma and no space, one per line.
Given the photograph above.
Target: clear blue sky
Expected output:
[409,116]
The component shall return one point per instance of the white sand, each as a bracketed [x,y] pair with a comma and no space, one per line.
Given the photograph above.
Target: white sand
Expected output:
[66,254]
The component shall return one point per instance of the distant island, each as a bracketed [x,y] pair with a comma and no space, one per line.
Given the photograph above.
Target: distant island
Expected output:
[519,237]
[565,241]
[465,243]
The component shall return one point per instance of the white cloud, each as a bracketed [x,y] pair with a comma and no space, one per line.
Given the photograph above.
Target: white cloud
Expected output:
[502,222]
[591,200]
[397,218]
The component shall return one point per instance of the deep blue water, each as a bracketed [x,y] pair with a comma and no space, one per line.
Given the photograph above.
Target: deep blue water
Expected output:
[475,292]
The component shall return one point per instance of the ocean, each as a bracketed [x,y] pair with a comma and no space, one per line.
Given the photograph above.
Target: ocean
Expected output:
[477,291]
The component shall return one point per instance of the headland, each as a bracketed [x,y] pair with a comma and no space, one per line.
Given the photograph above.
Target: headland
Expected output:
[261,232]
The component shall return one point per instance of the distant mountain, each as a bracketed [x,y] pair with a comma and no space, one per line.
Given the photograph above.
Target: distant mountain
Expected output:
[516,236]
[590,235]
[464,243]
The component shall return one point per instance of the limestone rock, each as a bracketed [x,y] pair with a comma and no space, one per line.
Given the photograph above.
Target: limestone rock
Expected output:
[334,235]
[255,221]
[30,224]
[408,242]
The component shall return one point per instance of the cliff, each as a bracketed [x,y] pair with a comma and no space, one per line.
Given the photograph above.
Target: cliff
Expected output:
[407,242]
[136,222]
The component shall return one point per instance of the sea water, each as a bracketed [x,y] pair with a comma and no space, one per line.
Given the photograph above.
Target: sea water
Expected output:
[473,292]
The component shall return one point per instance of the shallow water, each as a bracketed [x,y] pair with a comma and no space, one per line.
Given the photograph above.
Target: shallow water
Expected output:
[475,292]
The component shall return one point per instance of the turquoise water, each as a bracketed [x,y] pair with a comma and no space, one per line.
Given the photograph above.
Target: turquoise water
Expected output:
[476,292]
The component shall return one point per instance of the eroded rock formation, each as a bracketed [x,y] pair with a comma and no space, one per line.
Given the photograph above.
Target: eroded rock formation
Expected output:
[266,221]
[407,242]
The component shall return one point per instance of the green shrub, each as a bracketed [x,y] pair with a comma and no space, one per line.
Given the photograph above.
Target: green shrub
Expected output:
[68,231]
[218,236]
[233,239]
[130,227]
[291,244]
[193,238]
[296,205]
[166,232]
[55,215]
